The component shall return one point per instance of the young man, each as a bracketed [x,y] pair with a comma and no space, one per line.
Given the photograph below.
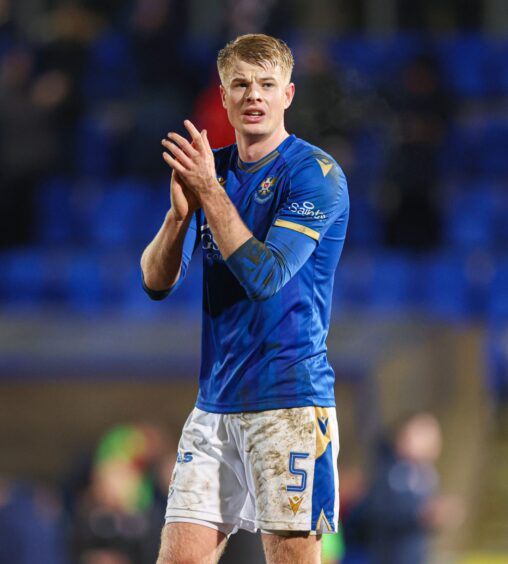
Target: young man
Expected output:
[270,213]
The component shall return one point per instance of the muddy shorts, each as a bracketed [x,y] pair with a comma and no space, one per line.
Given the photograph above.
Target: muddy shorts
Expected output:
[271,470]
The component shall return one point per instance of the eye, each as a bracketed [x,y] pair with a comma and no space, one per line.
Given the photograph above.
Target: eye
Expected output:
[268,84]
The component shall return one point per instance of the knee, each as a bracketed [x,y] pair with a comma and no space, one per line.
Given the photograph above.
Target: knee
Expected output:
[298,548]
[183,543]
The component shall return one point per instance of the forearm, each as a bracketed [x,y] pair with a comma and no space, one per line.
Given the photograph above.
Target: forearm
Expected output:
[161,260]
[228,229]
[261,267]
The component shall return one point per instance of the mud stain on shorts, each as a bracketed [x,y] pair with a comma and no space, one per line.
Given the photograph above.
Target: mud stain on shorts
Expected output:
[270,438]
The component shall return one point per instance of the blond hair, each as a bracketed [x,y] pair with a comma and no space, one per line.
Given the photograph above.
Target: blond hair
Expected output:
[256,49]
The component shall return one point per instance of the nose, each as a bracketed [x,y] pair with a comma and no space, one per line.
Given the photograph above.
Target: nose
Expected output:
[253,93]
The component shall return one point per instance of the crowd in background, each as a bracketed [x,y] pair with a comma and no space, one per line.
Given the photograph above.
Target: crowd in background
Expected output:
[418,120]
[109,509]
[88,88]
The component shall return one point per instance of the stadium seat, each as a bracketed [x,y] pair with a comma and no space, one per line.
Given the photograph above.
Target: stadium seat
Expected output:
[464,61]
[84,283]
[353,279]
[497,67]
[498,295]
[371,62]
[393,282]
[54,212]
[115,215]
[110,71]
[491,148]
[364,228]
[22,280]
[94,146]
[444,288]
[471,220]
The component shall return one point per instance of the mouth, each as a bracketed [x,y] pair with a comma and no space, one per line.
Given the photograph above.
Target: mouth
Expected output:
[253,116]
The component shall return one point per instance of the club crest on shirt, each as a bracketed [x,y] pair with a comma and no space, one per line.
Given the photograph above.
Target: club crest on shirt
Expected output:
[221,180]
[265,190]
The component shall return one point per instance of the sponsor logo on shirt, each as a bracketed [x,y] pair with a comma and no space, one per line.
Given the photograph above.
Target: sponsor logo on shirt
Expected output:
[210,247]
[265,190]
[307,209]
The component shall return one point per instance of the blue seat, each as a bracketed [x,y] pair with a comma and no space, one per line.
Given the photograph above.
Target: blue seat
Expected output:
[94,147]
[353,280]
[110,71]
[363,60]
[364,229]
[497,362]
[22,279]
[471,220]
[492,148]
[444,287]
[84,282]
[498,294]
[497,67]
[54,212]
[392,284]
[464,60]
[116,214]
[476,149]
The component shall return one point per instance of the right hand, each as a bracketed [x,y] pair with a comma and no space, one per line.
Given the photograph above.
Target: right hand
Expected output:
[183,201]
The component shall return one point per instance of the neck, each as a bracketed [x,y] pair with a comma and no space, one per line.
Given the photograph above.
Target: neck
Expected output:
[254,148]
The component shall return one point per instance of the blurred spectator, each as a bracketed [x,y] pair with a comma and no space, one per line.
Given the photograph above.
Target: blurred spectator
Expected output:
[118,515]
[31,527]
[65,35]
[429,14]
[409,199]
[158,30]
[7,24]
[248,16]
[402,505]
[318,107]
[209,114]
[29,146]
[497,367]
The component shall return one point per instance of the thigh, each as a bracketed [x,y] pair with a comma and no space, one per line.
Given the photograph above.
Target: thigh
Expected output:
[294,548]
[190,544]
[208,481]
[292,463]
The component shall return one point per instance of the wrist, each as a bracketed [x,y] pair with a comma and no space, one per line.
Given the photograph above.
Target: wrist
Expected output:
[172,219]
[212,191]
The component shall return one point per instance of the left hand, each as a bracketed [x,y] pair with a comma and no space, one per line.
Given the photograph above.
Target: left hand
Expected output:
[192,161]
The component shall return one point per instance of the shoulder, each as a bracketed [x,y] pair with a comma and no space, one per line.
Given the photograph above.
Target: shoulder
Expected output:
[309,163]
[301,155]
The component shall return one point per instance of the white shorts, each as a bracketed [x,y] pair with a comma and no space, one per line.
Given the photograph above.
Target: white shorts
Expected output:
[271,470]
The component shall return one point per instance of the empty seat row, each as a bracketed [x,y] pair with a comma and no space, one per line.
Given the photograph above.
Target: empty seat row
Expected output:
[449,286]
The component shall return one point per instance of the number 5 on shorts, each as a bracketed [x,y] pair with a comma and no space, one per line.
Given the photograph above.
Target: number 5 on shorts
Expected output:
[293,457]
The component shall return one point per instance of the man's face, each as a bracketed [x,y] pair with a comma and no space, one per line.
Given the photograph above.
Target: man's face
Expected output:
[255,98]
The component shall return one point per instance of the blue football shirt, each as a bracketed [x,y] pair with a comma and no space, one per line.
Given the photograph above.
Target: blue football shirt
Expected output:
[269,352]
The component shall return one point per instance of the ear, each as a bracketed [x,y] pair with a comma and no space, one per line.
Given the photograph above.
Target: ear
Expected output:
[223,96]
[289,95]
